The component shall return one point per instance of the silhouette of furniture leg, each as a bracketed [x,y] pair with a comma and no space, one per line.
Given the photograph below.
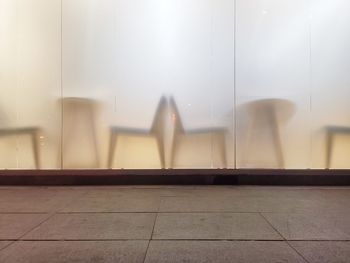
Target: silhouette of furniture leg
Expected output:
[174,146]
[79,111]
[114,142]
[277,139]
[112,147]
[179,131]
[156,131]
[222,144]
[266,110]
[160,144]
[33,133]
[219,135]
[332,132]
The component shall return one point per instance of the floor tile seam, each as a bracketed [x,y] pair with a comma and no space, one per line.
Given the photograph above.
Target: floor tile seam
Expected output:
[220,239]
[319,240]
[297,251]
[273,227]
[161,212]
[175,240]
[13,241]
[77,240]
[248,198]
[307,213]
[25,213]
[250,240]
[165,187]
[93,213]
[51,215]
[254,212]
[286,241]
[154,226]
[8,245]
[156,212]
[208,212]
[151,237]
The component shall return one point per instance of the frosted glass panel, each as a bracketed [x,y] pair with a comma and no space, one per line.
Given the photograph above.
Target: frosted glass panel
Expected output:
[331,83]
[30,56]
[124,56]
[174,84]
[200,79]
[273,84]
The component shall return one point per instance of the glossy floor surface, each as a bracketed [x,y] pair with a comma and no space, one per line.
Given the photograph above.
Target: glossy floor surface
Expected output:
[174,224]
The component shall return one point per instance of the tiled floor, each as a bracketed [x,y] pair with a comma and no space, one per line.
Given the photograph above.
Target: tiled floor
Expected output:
[175,224]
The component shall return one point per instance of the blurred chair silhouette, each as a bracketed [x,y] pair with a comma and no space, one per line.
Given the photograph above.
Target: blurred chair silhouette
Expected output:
[180,131]
[78,113]
[32,132]
[272,112]
[333,131]
[156,130]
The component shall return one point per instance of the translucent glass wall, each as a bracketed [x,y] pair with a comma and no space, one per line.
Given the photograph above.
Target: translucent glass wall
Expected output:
[330,67]
[273,83]
[30,83]
[124,56]
[174,84]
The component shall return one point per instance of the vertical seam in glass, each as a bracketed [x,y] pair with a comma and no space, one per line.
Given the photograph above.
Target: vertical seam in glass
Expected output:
[17,81]
[234,83]
[310,85]
[61,86]
[212,81]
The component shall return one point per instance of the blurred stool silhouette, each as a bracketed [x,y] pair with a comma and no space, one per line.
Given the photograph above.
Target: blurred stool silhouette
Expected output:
[273,112]
[179,131]
[156,130]
[333,131]
[32,132]
[78,112]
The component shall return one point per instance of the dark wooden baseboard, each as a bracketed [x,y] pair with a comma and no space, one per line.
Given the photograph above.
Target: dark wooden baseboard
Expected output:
[307,177]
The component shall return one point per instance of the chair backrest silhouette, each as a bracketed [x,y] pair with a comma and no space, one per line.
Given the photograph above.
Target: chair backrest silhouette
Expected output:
[158,126]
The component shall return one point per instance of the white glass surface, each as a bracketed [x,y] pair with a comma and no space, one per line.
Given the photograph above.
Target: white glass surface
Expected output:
[30,55]
[262,85]
[125,55]
[273,62]
[330,82]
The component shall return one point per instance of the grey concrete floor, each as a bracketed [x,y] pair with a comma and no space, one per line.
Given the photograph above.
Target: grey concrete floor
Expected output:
[174,224]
